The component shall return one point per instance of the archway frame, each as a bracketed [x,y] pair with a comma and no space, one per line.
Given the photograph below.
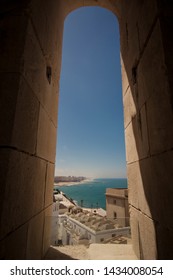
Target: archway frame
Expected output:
[30,67]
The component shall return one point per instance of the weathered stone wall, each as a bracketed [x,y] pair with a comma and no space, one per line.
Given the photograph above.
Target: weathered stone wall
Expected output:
[30,49]
[31,42]
[148,126]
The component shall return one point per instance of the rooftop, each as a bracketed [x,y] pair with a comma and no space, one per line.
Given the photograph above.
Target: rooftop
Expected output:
[117,192]
[93,221]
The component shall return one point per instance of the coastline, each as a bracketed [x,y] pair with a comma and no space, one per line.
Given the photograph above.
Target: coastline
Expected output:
[68,184]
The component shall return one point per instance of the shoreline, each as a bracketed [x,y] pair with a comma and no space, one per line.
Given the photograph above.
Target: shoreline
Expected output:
[69,184]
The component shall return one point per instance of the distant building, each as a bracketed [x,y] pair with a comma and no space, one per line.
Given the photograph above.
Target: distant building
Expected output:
[72,225]
[117,207]
[61,205]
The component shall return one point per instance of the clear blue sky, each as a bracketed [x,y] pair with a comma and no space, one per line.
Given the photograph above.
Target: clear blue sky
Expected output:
[90,140]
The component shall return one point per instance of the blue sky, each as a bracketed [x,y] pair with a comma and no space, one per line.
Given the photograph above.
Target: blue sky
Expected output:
[90,139]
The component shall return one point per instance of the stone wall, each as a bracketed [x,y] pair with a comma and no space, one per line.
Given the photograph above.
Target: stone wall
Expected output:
[148,119]
[30,49]
[31,43]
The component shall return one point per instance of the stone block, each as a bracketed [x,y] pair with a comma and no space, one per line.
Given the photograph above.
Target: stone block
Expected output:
[147,238]
[129,39]
[40,75]
[160,129]
[136,137]
[150,81]
[149,183]
[52,103]
[49,184]
[141,132]
[129,107]
[13,247]
[34,65]
[18,123]
[24,190]
[135,27]
[131,149]
[154,90]
[165,18]
[134,224]
[161,178]
[8,100]
[143,235]
[35,237]
[49,28]
[4,162]
[125,81]
[47,230]
[12,42]
[151,180]
[145,21]
[135,186]
[26,119]
[46,137]
[110,5]
[164,238]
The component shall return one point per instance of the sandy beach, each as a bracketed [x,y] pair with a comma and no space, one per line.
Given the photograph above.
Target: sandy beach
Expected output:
[68,184]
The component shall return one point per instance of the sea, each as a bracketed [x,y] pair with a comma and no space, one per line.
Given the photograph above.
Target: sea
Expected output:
[91,194]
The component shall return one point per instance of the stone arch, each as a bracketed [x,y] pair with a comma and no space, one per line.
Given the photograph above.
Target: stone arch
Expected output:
[113,6]
[31,38]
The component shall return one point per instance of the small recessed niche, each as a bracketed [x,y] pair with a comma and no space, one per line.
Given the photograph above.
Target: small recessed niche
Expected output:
[49,74]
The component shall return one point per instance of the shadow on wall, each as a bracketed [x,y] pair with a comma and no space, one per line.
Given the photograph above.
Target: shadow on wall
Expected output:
[148,118]
[146,49]
[54,254]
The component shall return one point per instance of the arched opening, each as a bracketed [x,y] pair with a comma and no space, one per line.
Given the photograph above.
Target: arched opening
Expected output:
[90,120]
[90,95]
[31,38]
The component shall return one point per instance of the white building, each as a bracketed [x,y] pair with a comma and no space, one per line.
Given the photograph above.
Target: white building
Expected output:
[60,206]
[117,206]
[73,225]
[87,228]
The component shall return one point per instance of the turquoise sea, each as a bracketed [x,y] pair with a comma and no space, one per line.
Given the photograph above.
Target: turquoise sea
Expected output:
[92,192]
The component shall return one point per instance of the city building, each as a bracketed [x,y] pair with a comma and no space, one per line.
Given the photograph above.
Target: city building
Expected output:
[72,225]
[86,228]
[117,206]
[61,205]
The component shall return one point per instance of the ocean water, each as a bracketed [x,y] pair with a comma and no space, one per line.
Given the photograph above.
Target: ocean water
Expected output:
[92,192]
